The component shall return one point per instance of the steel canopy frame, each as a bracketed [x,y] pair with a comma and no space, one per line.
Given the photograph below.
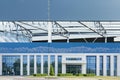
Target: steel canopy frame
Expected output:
[91,29]
[55,33]
[78,30]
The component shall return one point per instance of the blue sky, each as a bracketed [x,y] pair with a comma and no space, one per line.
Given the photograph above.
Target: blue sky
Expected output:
[60,48]
[60,9]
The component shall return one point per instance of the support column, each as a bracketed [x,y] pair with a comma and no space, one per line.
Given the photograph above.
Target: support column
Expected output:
[112,65]
[105,39]
[63,68]
[35,65]
[67,39]
[48,64]
[28,64]
[118,65]
[0,64]
[104,65]
[84,68]
[98,66]
[49,32]
[41,64]
[21,65]
[56,65]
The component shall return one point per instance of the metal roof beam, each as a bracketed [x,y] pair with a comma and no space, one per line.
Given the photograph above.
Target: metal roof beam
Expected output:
[99,27]
[90,29]
[65,31]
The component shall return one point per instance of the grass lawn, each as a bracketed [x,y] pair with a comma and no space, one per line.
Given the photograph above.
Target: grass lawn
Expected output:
[79,77]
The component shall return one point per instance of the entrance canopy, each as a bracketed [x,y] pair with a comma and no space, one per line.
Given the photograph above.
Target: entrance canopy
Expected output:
[64,30]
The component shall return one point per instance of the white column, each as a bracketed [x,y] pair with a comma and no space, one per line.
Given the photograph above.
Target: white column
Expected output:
[49,32]
[118,65]
[63,68]
[105,39]
[98,65]
[48,64]
[35,65]
[0,64]
[84,68]
[112,65]
[41,64]
[28,64]
[104,65]
[21,65]
[56,65]
[68,40]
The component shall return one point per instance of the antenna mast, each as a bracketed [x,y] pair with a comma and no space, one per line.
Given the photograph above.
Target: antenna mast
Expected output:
[48,10]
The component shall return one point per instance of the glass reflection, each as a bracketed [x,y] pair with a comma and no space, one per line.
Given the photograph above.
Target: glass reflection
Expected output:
[25,65]
[52,62]
[101,65]
[31,65]
[38,64]
[45,64]
[11,65]
[115,65]
[91,64]
[59,64]
[108,65]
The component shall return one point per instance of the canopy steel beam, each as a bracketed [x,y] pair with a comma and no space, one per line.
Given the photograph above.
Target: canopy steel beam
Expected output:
[33,26]
[61,28]
[37,27]
[90,29]
[22,27]
[99,27]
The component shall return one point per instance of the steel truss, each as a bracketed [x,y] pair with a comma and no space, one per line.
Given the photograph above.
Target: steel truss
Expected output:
[72,30]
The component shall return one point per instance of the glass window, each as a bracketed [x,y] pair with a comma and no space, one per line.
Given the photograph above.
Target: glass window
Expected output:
[38,64]
[31,64]
[115,65]
[59,64]
[11,65]
[52,62]
[25,65]
[91,64]
[108,65]
[45,64]
[101,65]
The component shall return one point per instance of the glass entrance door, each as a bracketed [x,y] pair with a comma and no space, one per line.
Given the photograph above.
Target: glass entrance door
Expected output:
[74,69]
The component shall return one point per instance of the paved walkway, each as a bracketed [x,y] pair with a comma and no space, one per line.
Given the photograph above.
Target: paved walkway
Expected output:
[27,78]
[56,78]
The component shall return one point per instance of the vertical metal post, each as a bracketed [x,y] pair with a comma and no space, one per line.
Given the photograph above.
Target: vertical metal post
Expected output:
[0,64]
[118,65]
[63,68]
[67,39]
[112,65]
[35,64]
[48,10]
[105,39]
[98,65]
[21,65]
[49,32]
[48,64]
[42,64]
[104,65]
